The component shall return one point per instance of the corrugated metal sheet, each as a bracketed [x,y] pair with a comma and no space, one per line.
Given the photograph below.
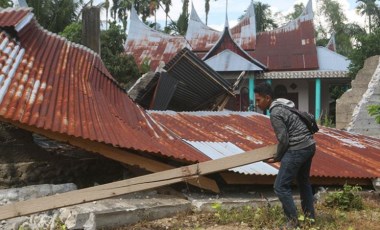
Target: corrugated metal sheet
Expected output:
[200,37]
[332,61]
[339,154]
[244,33]
[216,150]
[291,47]
[198,86]
[230,61]
[55,85]
[145,43]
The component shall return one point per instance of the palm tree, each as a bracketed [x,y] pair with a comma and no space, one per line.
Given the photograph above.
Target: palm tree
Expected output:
[207,9]
[167,4]
[120,10]
[369,8]
[55,15]
[106,5]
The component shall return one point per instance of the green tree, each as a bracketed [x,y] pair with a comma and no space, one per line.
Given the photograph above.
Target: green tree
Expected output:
[367,45]
[369,8]
[6,3]
[337,23]
[167,4]
[297,11]
[264,19]
[183,19]
[73,32]
[54,15]
[119,10]
[121,66]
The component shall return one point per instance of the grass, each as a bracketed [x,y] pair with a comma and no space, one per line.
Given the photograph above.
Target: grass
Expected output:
[337,216]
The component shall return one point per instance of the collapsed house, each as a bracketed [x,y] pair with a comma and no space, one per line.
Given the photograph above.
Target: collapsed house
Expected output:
[62,90]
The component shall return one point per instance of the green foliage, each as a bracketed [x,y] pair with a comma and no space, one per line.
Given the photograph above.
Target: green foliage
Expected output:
[121,66]
[366,46]
[374,110]
[346,199]
[327,121]
[298,9]
[54,15]
[183,19]
[6,3]
[264,17]
[336,20]
[73,32]
[59,225]
[145,65]
[256,218]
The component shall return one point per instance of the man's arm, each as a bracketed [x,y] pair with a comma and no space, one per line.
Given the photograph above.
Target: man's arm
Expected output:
[281,132]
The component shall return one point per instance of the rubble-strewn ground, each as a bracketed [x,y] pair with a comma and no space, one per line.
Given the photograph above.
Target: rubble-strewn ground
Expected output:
[328,218]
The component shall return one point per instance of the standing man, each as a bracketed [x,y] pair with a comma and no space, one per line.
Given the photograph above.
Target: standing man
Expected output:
[295,151]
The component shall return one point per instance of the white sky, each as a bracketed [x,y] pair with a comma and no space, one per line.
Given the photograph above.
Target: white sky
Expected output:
[236,8]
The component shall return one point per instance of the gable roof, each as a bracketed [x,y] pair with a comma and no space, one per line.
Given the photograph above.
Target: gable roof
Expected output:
[290,47]
[200,36]
[51,84]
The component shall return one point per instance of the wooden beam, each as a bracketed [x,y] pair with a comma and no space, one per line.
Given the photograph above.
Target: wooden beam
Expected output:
[117,154]
[135,184]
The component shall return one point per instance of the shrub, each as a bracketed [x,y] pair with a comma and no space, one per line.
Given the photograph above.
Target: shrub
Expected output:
[346,199]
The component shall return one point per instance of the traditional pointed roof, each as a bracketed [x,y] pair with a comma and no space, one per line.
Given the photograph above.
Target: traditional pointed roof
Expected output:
[291,47]
[144,42]
[229,61]
[200,36]
[226,42]
[244,33]
[331,45]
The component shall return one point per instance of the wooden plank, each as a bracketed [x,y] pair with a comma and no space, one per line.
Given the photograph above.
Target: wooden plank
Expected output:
[117,154]
[135,184]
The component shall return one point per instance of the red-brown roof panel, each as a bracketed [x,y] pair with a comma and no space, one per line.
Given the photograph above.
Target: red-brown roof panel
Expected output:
[147,44]
[62,87]
[339,154]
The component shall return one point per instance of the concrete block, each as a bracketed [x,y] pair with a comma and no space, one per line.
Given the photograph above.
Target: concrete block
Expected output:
[117,212]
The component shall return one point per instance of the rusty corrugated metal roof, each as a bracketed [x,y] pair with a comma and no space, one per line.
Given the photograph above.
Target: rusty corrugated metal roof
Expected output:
[55,85]
[291,47]
[339,154]
[244,33]
[200,37]
[145,43]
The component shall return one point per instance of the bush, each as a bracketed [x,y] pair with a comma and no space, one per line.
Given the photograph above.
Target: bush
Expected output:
[346,199]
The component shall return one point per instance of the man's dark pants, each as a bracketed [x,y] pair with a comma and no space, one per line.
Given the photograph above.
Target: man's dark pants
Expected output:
[295,164]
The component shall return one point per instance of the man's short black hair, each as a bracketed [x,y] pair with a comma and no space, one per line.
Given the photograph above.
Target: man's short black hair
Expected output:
[264,89]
